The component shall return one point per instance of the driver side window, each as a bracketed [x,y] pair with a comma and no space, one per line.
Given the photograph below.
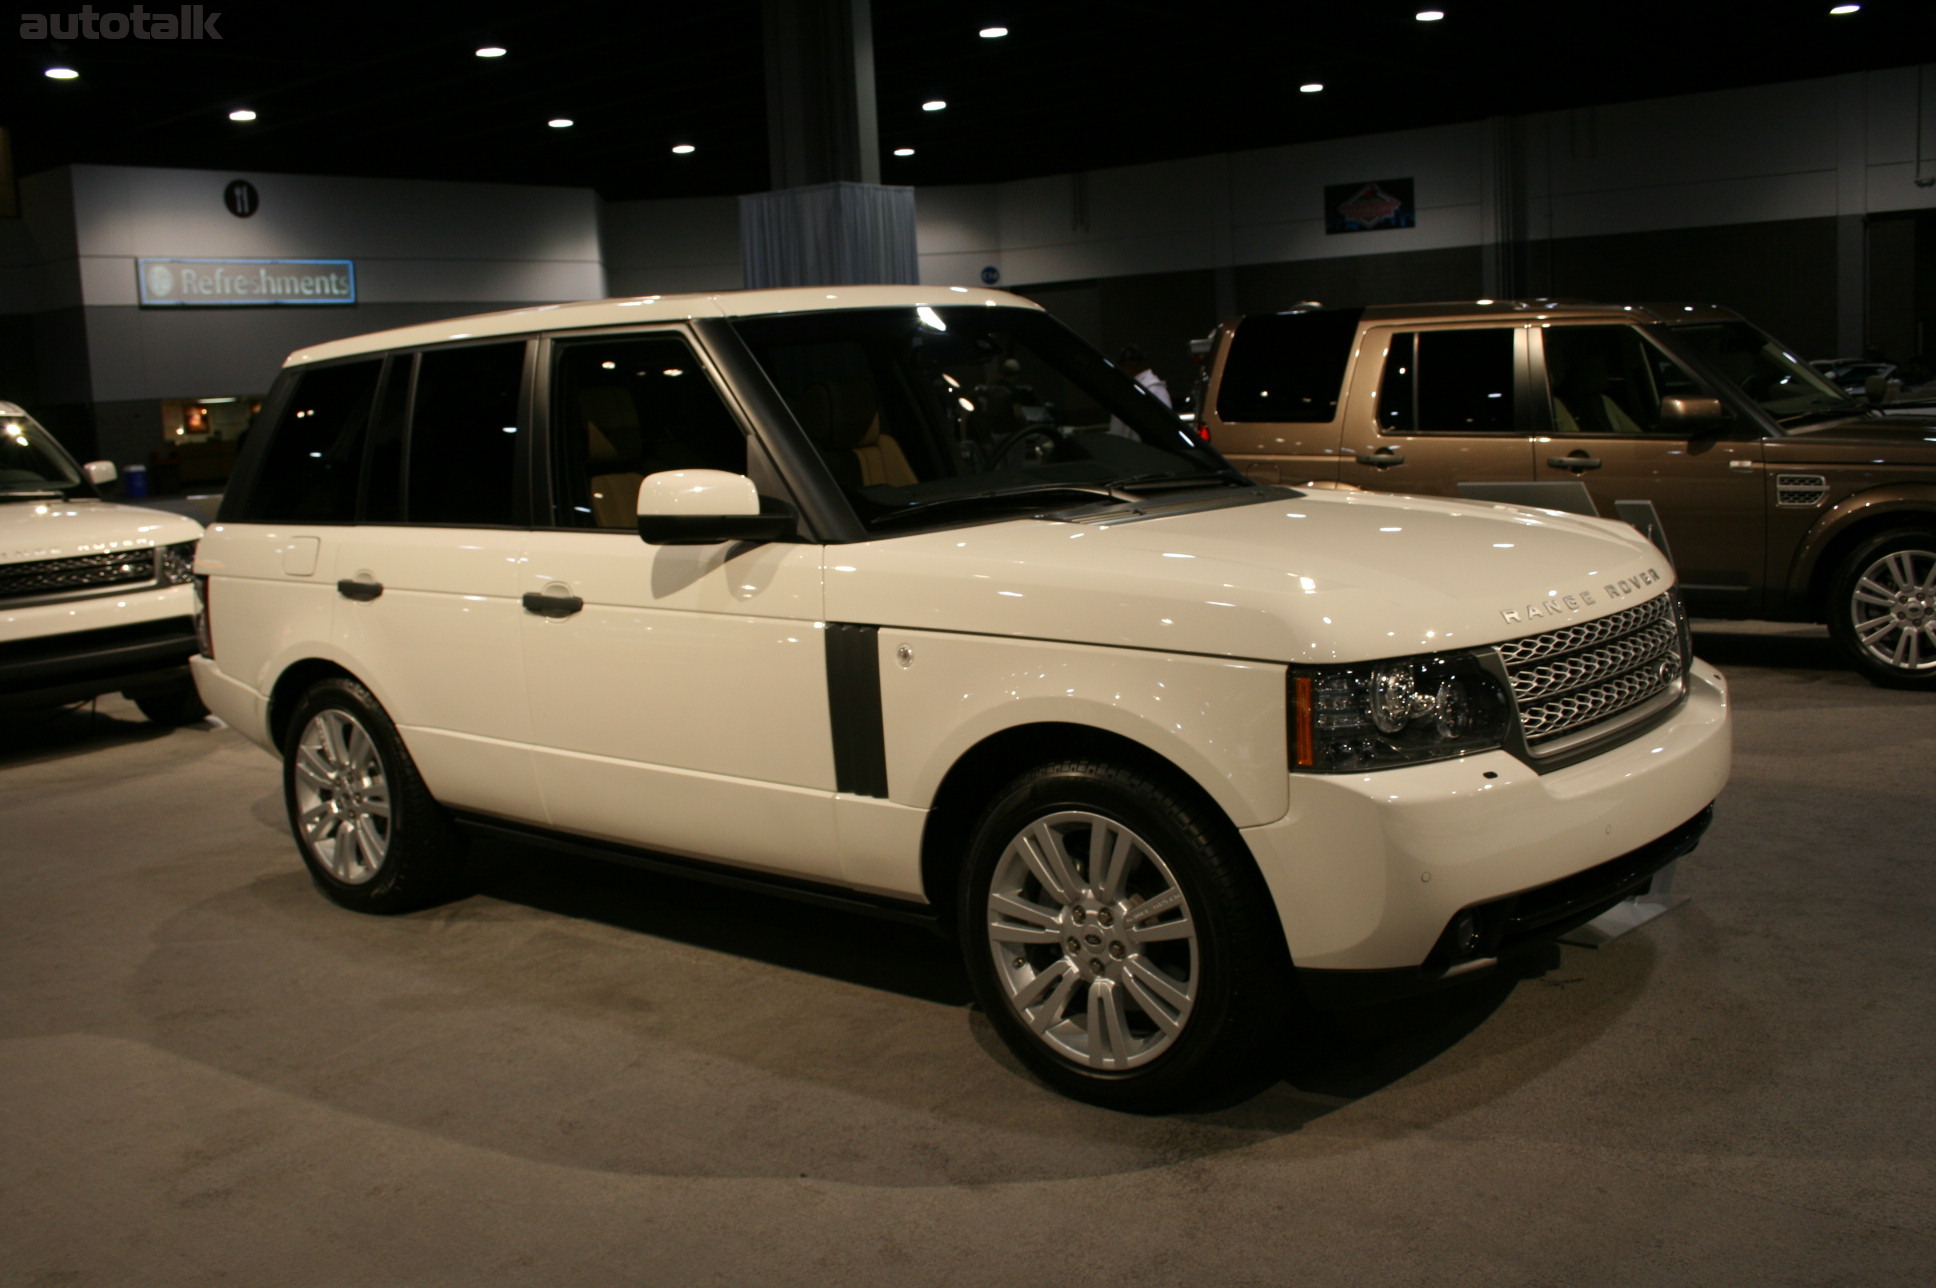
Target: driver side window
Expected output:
[627,407]
[1607,380]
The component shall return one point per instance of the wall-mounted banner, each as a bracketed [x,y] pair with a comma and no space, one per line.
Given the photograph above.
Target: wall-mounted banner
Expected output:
[1362,207]
[201,283]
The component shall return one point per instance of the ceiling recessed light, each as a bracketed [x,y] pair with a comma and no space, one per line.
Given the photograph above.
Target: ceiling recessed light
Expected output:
[934,105]
[903,152]
[1841,9]
[993,33]
[1429,15]
[492,51]
[683,148]
[1311,87]
[561,122]
[63,73]
[242,114]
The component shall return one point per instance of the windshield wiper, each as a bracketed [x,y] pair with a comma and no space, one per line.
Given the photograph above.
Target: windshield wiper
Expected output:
[1153,482]
[33,494]
[1003,496]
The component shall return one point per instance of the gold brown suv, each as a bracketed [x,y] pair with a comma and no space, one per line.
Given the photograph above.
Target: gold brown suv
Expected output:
[1777,495]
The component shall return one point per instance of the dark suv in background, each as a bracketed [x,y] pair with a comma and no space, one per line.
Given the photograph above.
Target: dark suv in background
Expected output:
[1776,493]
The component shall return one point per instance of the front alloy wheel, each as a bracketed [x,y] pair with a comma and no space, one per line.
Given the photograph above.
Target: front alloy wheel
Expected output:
[1885,609]
[1093,941]
[1119,937]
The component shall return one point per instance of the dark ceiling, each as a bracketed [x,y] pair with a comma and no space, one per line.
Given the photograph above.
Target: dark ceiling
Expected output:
[388,90]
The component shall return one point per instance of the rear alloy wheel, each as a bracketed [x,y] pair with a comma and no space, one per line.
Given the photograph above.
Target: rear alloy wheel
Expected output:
[1882,608]
[1117,940]
[369,832]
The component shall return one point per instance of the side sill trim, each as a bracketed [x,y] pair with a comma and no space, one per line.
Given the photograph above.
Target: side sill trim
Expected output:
[811,892]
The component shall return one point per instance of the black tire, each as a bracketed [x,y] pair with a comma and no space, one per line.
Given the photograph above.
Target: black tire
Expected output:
[367,828]
[1106,1002]
[177,705]
[1882,608]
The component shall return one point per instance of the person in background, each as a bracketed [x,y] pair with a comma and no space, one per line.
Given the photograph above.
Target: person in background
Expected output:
[1131,359]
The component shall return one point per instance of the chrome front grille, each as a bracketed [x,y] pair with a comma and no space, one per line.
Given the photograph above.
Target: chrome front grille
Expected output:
[83,572]
[1568,681]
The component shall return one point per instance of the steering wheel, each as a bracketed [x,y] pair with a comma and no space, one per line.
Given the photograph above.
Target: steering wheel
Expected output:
[1042,444]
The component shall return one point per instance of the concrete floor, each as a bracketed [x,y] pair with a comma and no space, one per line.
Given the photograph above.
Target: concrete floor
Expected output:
[587,1075]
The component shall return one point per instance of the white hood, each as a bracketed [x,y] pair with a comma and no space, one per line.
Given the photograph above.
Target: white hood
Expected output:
[1322,577]
[31,530]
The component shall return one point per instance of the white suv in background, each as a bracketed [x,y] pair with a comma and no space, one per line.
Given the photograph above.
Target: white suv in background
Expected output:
[94,596]
[906,599]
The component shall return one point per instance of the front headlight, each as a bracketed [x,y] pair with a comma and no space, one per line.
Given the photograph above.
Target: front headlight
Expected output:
[1374,715]
[175,564]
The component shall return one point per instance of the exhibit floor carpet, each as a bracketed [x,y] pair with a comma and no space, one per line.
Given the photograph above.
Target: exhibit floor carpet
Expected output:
[587,1075]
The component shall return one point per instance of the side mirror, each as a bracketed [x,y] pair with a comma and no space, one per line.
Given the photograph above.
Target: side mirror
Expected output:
[1880,390]
[705,507]
[100,473]
[1691,412]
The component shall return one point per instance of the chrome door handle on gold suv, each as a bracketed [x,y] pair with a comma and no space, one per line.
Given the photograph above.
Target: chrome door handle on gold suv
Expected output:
[1577,461]
[1382,459]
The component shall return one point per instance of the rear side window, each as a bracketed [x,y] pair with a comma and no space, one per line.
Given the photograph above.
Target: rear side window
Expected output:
[310,471]
[1448,382]
[464,431]
[1287,367]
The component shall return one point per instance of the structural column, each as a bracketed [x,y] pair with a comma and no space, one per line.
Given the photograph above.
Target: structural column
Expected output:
[828,220]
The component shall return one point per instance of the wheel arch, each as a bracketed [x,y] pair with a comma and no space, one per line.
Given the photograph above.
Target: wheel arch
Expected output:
[1852,522]
[289,688]
[984,768]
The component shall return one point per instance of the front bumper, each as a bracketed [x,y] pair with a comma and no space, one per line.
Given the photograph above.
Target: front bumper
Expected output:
[1369,870]
[78,649]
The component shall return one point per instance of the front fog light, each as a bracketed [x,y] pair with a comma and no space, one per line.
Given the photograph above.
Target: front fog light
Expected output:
[1400,712]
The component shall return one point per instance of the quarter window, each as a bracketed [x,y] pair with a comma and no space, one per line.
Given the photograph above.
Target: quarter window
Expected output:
[309,473]
[1287,367]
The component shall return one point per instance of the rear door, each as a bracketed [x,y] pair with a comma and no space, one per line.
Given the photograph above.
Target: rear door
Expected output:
[426,582]
[1433,407]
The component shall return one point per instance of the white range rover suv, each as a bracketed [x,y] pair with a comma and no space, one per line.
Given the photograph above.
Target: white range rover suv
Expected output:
[905,598]
[94,596]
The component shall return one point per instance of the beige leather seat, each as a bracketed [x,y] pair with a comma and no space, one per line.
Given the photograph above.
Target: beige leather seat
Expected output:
[844,422]
[612,445]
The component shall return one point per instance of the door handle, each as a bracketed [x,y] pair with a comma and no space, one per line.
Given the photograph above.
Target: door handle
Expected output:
[361,591]
[551,605]
[1382,459]
[1577,462]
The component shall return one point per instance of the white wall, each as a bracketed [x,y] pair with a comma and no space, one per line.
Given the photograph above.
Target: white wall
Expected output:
[1836,146]
[414,241]
[422,249]
[673,246]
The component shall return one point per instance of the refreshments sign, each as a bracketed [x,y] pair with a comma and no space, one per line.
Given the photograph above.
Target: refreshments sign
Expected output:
[195,283]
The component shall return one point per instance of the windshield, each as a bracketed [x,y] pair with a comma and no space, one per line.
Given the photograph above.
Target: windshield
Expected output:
[1786,387]
[958,411]
[31,462]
